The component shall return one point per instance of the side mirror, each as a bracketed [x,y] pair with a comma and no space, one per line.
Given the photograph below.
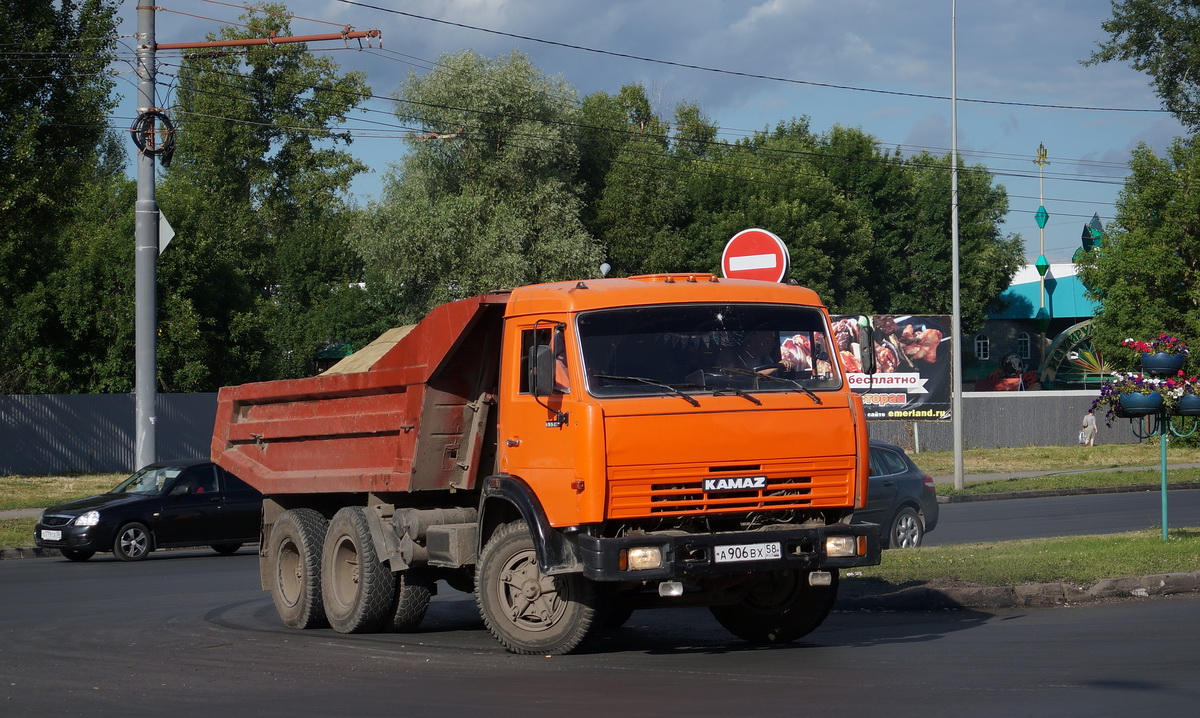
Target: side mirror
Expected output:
[541,371]
[866,341]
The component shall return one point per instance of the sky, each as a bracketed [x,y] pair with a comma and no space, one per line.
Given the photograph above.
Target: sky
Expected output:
[883,66]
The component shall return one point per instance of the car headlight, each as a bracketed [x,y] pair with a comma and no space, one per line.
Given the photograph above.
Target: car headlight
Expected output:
[91,518]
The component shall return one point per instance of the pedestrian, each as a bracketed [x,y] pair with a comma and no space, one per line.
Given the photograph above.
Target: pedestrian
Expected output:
[1087,435]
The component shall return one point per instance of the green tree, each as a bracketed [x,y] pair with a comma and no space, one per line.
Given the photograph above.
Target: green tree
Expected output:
[1146,274]
[1162,39]
[634,173]
[54,100]
[257,193]
[487,195]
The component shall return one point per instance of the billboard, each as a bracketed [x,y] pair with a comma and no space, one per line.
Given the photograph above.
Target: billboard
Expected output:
[912,369]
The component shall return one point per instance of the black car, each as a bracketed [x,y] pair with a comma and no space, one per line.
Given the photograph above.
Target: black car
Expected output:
[191,502]
[901,497]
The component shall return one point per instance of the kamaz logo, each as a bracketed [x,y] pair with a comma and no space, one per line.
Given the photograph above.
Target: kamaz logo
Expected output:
[740,483]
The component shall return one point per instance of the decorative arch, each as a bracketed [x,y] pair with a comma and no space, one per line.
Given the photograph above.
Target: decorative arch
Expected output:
[1071,358]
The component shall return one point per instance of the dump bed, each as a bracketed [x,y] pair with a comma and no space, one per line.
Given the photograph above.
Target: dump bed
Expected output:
[411,412]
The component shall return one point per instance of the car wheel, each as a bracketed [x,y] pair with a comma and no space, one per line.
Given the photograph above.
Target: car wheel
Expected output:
[779,608]
[907,529]
[293,567]
[74,555]
[133,542]
[356,587]
[226,548]
[527,611]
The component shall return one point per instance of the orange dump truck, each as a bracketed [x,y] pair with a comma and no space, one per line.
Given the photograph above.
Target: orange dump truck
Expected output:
[569,452]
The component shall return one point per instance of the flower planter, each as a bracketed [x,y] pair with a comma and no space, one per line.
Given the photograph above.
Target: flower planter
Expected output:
[1189,405]
[1162,364]
[1134,405]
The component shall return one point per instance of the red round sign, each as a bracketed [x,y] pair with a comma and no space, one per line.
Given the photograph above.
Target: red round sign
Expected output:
[755,254]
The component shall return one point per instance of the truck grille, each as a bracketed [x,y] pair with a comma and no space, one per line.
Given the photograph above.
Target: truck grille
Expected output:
[681,496]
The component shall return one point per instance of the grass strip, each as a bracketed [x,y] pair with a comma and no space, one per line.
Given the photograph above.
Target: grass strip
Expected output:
[1077,559]
[1151,479]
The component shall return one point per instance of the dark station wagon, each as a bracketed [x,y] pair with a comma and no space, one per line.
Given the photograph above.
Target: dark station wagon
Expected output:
[190,502]
[900,498]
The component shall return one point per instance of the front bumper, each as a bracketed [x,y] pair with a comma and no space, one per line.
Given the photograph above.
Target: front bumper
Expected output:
[74,538]
[693,555]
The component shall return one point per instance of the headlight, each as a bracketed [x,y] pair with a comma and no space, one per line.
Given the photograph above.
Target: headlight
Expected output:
[640,558]
[840,546]
[91,518]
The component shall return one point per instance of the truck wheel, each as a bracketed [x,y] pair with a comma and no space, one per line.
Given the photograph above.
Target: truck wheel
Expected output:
[414,588]
[76,554]
[526,610]
[294,568]
[779,609]
[356,586]
[226,549]
[132,542]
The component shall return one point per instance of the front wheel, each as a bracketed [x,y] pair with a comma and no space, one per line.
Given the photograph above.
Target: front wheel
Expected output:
[527,611]
[132,543]
[907,529]
[76,555]
[357,588]
[226,549]
[779,608]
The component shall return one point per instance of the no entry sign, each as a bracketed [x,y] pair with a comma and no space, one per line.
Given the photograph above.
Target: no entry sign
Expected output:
[755,254]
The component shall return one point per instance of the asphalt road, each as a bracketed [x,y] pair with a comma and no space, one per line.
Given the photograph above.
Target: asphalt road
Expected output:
[190,634]
[1005,520]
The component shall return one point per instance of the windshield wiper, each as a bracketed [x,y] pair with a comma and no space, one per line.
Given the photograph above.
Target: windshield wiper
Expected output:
[746,372]
[737,392]
[651,382]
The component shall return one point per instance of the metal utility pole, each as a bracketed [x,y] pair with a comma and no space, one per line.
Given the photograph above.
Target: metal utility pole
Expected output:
[956,385]
[146,230]
[146,256]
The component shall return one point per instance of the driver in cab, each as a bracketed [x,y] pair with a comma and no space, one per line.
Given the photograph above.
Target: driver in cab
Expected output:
[758,353]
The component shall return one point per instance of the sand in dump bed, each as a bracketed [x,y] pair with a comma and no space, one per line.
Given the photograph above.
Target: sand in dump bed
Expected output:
[365,358]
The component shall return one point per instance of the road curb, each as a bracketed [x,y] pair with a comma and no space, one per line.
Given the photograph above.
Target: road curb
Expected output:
[8,554]
[876,595]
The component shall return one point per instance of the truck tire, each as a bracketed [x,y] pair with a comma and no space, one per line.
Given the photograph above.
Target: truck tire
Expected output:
[779,608]
[414,589]
[294,568]
[527,611]
[356,587]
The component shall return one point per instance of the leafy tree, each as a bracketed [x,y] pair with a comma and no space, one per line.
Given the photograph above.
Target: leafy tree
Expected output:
[257,194]
[637,194]
[487,196]
[1145,274]
[54,100]
[1162,39]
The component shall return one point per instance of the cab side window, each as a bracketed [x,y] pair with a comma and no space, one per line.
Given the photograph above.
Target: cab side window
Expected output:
[553,339]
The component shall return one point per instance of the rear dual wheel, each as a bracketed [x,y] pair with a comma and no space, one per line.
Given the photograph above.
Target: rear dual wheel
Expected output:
[294,567]
[357,588]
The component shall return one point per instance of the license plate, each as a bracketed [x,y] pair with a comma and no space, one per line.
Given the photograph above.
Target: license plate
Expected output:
[748,552]
[48,535]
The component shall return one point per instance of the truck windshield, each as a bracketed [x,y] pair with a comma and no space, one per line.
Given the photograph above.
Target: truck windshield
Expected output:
[727,348]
